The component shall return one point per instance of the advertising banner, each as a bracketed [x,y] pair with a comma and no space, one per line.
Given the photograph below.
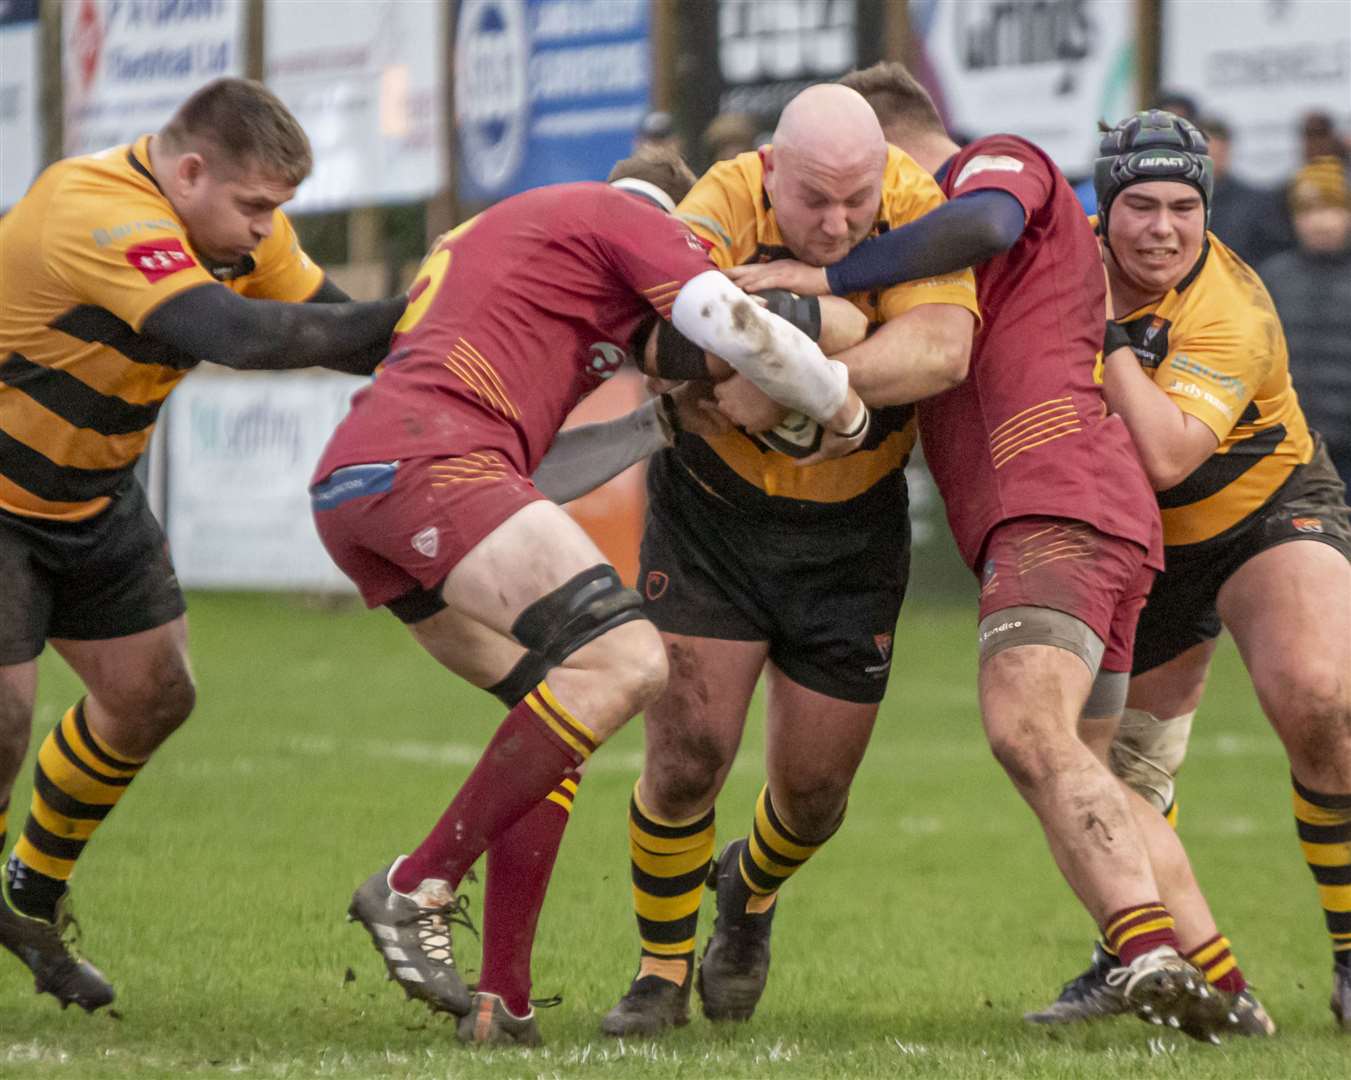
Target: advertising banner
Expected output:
[547,91]
[752,56]
[128,64]
[1046,71]
[240,448]
[20,81]
[366,80]
[1260,67]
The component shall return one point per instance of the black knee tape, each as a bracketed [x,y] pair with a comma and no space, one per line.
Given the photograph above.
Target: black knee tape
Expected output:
[557,625]
[528,673]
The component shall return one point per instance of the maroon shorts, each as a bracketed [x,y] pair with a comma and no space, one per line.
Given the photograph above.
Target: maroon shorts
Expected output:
[397,529]
[1069,566]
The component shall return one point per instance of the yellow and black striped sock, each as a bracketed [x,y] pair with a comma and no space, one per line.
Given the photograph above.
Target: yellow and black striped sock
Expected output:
[1170,815]
[77,782]
[669,861]
[1324,825]
[774,853]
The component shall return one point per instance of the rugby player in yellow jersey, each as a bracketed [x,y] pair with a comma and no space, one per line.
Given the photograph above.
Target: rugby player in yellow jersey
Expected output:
[751,563]
[1255,521]
[119,272]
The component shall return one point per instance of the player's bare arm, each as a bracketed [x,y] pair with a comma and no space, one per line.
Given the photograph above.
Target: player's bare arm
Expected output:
[1171,443]
[210,322]
[918,354]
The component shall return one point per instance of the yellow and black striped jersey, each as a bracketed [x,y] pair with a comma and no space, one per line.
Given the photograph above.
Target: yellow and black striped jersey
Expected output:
[85,256]
[731,212]
[1215,345]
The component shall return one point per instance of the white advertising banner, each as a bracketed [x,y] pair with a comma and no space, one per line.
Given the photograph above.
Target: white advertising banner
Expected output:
[1260,66]
[1047,72]
[365,78]
[20,127]
[128,64]
[240,450]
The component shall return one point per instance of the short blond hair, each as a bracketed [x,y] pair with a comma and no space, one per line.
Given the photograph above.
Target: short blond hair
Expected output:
[237,124]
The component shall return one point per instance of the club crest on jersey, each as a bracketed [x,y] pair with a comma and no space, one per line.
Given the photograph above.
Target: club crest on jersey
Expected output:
[157,259]
[655,585]
[606,357]
[1307,524]
[427,541]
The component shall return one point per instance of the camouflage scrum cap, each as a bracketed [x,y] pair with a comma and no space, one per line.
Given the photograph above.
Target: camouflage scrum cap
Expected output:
[1151,145]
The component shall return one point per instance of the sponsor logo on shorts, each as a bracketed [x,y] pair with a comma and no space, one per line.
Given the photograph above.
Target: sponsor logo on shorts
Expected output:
[427,542]
[883,643]
[158,259]
[655,585]
[1002,628]
[1307,524]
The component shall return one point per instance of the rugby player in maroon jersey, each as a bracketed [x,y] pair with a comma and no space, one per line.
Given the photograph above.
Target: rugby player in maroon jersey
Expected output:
[424,498]
[1051,508]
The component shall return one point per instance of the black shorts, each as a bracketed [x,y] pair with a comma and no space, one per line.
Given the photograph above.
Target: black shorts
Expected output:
[86,580]
[826,596]
[1181,612]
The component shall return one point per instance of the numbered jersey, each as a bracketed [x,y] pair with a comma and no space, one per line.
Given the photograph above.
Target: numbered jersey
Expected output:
[514,317]
[85,257]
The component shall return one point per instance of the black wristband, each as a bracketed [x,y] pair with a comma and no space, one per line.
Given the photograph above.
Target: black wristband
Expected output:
[858,429]
[1115,337]
[804,312]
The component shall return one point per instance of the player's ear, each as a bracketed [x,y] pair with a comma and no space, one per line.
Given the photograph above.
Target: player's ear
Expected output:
[190,170]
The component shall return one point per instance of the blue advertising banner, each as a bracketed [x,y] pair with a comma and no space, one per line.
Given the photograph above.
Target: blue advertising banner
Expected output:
[547,91]
[20,123]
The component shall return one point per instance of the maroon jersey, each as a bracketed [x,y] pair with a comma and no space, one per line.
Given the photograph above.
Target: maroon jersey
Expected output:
[1027,432]
[515,316]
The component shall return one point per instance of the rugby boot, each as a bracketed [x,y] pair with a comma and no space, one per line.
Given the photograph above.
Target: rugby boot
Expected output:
[50,950]
[1163,988]
[1341,996]
[489,1023]
[412,935]
[1249,1017]
[1085,997]
[735,965]
[650,1006]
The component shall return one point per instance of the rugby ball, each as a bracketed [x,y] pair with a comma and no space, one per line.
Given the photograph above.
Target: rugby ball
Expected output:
[796,435]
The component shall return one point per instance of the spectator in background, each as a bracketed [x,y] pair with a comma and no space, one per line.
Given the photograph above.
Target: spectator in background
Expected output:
[1177,103]
[729,134]
[657,131]
[1251,220]
[1321,138]
[1311,286]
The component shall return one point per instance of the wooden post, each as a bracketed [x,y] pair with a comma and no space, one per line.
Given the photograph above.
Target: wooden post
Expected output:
[51,98]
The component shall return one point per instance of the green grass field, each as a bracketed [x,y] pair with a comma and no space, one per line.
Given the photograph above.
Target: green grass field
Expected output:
[324,743]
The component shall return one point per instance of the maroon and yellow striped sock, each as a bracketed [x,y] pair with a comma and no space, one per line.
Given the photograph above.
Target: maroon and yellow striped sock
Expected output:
[1134,931]
[1216,960]
[520,862]
[535,747]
